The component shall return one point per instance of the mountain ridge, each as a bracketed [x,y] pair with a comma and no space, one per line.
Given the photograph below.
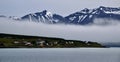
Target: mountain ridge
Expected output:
[82,17]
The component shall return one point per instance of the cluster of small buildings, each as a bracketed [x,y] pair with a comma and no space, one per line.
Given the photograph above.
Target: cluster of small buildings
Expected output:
[30,43]
[41,43]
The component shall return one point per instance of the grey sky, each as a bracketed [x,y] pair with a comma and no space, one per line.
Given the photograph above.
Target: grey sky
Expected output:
[62,7]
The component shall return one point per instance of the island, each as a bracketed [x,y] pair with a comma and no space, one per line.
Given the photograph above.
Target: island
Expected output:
[26,41]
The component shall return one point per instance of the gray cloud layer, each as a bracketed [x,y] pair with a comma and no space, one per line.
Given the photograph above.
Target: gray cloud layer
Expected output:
[110,33]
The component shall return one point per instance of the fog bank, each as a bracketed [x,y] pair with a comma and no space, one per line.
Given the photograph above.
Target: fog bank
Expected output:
[110,33]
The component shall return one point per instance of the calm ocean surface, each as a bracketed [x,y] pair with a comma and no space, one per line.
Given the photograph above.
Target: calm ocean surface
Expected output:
[60,55]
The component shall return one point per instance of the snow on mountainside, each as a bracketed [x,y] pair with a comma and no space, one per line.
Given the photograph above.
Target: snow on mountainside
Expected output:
[83,17]
[44,16]
[87,16]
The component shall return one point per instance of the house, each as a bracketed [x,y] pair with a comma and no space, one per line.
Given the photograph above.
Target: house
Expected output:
[16,42]
[41,43]
[55,43]
[28,44]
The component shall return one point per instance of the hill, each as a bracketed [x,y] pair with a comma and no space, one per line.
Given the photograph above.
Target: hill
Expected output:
[24,41]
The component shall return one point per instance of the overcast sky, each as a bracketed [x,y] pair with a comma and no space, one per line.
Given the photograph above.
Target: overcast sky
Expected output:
[62,7]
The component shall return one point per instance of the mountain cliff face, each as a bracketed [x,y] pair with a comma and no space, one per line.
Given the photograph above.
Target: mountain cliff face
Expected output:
[44,16]
[83,17]
[87,16]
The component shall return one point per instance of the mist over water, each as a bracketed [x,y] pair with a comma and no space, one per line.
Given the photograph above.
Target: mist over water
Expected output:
[97,33]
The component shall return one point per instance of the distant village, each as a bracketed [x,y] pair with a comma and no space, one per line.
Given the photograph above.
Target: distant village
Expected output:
[42,43]
[16,41]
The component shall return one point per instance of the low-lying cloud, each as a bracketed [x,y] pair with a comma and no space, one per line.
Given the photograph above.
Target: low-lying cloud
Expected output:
[110,33]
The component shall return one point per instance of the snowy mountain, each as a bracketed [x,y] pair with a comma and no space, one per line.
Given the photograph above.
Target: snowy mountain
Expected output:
[83,17]
[44,16]
[87,16]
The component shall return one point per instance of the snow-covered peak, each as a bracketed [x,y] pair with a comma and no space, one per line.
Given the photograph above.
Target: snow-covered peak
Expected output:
[84,16]
[44,16]
[101,7]
[47,13]
[86,10]
[110,9]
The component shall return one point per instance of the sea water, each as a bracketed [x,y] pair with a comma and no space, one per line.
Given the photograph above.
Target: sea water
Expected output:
[60,55]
